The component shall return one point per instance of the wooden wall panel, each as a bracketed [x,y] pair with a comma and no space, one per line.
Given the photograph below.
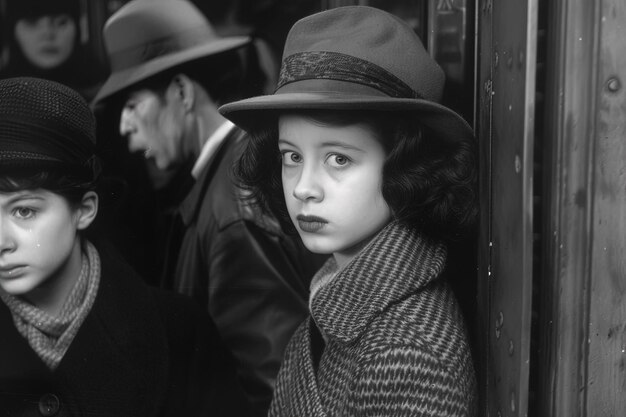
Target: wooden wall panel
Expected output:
[584,306]
[511,59]
[606,383]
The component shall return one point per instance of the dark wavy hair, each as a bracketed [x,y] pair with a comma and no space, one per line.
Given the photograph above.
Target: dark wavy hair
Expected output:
[69,186]
[429,183]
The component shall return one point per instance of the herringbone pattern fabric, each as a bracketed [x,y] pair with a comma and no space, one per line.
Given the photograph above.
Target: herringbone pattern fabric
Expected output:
[396,340]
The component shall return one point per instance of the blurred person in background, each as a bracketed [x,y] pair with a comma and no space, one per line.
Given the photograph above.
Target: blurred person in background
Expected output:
[170,72]
[43,40]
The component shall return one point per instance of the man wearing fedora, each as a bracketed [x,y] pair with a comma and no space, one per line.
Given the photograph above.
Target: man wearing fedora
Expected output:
[172,71]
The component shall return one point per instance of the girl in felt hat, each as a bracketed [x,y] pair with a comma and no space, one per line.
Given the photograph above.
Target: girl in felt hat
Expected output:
[81,333]
[358,156]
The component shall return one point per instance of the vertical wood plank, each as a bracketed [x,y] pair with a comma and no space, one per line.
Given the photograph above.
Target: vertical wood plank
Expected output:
[606,384]
[510,138]
[570,120]
[482,123]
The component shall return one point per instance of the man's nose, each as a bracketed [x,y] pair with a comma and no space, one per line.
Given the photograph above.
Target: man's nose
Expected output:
[126,125]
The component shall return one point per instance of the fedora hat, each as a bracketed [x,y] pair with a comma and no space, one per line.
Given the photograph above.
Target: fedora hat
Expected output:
[355,58]
[146,37]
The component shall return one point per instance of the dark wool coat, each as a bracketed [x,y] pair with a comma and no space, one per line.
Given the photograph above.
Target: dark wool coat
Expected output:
[396,341]
[252,278]
[139,352]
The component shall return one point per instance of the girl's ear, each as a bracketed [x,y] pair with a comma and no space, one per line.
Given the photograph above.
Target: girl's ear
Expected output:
[87,210]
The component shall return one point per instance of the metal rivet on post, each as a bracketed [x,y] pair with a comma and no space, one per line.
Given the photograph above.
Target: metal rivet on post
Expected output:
[614,85]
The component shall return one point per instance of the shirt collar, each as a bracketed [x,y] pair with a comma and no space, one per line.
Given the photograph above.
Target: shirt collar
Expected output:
[396,263]
[210,146]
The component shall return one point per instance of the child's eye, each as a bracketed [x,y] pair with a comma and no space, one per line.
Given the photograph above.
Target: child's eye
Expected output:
[337,160]
[24,213]
[61,20]
[291,158]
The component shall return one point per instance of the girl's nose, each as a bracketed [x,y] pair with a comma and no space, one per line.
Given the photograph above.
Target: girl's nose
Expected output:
[308,186]
[47,27]
[7,243]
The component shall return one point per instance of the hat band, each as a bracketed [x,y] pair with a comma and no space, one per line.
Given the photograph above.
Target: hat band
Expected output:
[32,141]
[139,54]
[342,67]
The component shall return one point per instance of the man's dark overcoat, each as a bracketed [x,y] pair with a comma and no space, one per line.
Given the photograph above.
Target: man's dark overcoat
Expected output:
[236,261]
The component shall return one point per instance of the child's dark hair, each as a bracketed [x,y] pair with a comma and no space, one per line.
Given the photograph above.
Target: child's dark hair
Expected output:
[428,183]
[71,187]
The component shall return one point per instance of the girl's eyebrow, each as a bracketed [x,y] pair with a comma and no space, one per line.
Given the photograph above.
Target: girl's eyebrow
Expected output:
[343,145]
[25,196]
[329,144]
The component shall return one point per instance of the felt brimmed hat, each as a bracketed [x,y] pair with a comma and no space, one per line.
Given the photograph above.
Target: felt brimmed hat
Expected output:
[355,58]
[146,37]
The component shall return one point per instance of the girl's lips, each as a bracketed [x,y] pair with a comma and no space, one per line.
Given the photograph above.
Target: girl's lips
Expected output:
[12,271]
[311,224]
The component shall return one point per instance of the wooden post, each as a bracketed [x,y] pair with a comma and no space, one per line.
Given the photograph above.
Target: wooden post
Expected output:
[506,110]
[584,305]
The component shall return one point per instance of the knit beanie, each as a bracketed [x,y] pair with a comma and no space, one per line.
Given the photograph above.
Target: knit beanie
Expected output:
[44,124]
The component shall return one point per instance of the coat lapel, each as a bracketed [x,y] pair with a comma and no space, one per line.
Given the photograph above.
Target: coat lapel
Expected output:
[302,380]
[123,342]
[396,263]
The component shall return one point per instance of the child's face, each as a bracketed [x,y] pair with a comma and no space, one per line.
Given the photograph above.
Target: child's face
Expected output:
[37,239]
[47,41]
[332,178]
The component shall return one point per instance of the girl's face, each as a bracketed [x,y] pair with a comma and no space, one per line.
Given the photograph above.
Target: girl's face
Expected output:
[332,179]
[39,246]
[46,41]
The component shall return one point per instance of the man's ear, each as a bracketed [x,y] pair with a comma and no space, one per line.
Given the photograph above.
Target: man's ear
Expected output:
[184,91]
[87,210]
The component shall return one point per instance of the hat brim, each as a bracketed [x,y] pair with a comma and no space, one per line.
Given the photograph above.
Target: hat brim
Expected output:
[121,80]
[443,121]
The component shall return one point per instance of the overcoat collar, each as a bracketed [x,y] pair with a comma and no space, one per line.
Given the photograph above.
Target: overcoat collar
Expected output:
[396,263]
[190,206]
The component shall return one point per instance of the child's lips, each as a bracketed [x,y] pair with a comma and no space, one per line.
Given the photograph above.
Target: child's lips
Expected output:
[11,271]
[311,224]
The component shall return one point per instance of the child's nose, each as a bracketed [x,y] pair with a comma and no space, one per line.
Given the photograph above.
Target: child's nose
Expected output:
[308,186]
[7,243]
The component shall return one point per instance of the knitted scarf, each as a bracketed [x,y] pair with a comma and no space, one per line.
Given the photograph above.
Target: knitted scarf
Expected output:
[51,336]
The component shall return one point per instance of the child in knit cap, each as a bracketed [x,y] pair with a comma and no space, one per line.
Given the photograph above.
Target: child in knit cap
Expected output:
[358,156]
[81,333]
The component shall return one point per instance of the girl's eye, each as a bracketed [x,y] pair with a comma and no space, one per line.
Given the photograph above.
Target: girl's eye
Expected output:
[338,160]
[61,20]
[24,213]
[291,158]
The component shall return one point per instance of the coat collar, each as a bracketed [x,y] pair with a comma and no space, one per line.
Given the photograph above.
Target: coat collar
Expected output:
[396,263]
[191,204]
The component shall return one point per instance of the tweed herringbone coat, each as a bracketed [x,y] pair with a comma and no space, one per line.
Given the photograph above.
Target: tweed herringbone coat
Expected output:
[396,343]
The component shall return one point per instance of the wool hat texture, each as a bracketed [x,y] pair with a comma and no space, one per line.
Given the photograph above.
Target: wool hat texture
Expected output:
[46,124]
